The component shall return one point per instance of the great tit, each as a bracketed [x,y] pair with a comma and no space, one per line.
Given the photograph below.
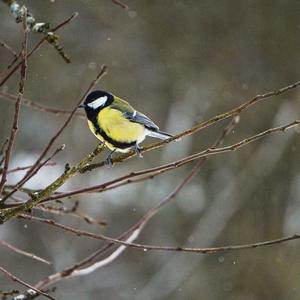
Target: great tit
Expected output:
[117,124]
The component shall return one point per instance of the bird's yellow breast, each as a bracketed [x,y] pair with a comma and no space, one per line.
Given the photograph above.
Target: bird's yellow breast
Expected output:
[117,127]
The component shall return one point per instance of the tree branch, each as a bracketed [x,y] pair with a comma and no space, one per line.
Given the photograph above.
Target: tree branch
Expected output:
[40,107]
[118,2]
[35,48]
[9,49]
[143,247]
[33,25]
[25,253]
[33,289]
[152,172]
[17,107]
[39,196]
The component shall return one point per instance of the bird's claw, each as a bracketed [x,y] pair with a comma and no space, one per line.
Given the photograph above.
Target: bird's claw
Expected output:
[108,161]
[138,150]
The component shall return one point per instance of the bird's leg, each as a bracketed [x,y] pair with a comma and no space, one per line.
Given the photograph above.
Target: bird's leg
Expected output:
[138,150]
[108,160]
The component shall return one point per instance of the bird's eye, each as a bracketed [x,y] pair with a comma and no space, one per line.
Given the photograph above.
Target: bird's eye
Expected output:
[98,102]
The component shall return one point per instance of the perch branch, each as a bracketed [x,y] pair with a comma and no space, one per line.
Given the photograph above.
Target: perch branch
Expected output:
[200,126]
[40,196]
[130,178]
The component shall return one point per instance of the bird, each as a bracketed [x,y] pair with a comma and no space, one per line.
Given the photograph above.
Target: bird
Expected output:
[117,124]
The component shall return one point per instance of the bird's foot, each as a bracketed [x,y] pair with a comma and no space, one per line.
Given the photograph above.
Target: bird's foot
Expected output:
[108,160]
[138,150]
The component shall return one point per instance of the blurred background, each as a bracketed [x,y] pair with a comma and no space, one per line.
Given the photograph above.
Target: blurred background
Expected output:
[179,62]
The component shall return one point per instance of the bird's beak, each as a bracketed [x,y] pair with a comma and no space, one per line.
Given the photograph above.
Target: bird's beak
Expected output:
[81,106]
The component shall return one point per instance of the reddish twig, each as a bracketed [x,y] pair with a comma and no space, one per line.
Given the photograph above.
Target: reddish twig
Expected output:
[15,278]
[18,169]
[36,47]
[118,2]
[73,212]
[37,168]
[25,253]
[2,74]
[39,107]
[17,106]
[8,48]
[143,247]
[2,150]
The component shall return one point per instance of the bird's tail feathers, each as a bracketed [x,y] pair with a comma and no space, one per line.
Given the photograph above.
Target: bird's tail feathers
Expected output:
[159,134]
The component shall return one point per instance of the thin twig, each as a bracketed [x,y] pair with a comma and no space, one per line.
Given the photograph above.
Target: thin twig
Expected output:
[143,247]
[2,150]
[18,169]
[17,106]
[73,212]
[8,48]
[36,47]
[15,278]
[37,168]
[37,197]
[118,2]
[38,27]
[2,74]
[39,107]
[25,253]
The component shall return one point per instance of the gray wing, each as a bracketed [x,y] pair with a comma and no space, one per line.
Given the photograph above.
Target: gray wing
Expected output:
[138,117]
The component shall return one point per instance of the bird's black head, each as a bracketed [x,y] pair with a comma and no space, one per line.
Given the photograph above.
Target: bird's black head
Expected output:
[97,100]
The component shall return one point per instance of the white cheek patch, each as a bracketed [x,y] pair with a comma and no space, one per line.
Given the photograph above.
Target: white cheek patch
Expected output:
[98,102]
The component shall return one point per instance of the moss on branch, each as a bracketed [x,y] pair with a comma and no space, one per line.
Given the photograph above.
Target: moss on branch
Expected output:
[37,197]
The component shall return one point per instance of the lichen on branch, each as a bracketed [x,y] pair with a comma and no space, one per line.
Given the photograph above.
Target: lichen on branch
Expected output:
[40,27]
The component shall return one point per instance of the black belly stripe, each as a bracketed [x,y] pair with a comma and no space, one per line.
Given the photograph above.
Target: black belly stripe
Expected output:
[120,145]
